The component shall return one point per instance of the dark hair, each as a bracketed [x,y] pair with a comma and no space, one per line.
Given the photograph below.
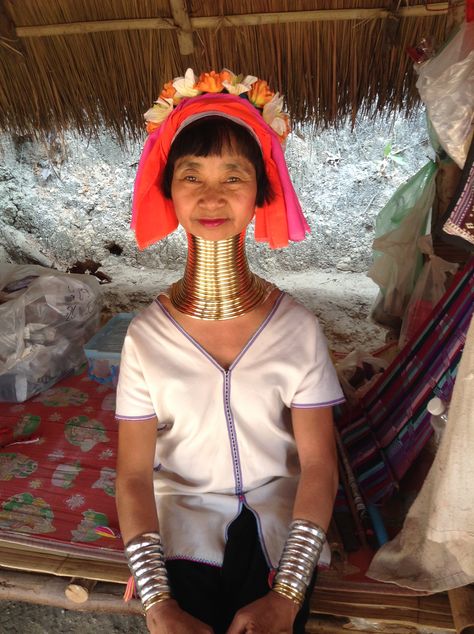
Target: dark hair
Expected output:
[209,136]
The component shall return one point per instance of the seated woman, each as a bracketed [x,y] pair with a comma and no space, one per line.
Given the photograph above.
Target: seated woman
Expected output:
[227,467]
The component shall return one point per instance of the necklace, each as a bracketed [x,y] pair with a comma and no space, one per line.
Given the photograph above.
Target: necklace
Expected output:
[217,282]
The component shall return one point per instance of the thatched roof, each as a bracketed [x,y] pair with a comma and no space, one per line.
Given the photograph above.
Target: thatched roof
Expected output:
[104,61]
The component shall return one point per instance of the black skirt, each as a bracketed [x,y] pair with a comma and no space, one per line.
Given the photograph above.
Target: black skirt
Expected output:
[213,595]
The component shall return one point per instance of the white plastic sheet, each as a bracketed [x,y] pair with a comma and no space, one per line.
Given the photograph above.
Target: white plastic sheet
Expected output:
[446,86]
[46,317]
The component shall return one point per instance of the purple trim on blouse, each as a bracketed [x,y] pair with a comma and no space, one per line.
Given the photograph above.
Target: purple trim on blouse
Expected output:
[196,560]
[234,446]
[188,337]
[147,417]
[239,509]
[252,339]
[316,405]
[244,349]
[260,535]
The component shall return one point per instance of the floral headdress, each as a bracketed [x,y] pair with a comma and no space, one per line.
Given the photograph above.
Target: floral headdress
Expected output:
[255,90]
[249,102]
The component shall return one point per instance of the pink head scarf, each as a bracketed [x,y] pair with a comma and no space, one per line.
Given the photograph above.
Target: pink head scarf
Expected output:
[153,215]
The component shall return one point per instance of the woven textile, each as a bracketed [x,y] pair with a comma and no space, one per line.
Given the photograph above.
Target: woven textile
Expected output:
[385,432]
[435,549]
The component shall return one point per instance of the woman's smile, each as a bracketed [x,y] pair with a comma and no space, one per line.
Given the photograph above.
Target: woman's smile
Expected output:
[212,222]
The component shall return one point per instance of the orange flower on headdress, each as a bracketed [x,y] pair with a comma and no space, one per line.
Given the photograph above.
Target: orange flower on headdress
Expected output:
[151,127]
[169,92]
[260,93]
[210,82]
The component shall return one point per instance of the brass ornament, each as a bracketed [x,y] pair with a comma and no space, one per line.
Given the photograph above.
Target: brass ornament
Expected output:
[217,282]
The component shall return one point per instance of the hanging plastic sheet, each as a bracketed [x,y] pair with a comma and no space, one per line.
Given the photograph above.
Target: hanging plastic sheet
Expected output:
[397,258]
[446,86]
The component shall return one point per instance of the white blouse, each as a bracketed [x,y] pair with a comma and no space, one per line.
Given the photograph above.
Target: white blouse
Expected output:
[224,437]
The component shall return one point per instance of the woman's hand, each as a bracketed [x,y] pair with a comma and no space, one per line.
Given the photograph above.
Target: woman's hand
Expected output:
[273,614]
[167,617]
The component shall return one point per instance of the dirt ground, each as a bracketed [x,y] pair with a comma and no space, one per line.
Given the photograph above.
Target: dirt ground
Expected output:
[25,618]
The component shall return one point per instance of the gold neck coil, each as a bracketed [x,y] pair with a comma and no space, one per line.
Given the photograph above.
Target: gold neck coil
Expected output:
[217,282]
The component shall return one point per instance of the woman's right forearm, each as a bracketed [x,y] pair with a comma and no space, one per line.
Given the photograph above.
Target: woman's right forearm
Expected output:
[136,507]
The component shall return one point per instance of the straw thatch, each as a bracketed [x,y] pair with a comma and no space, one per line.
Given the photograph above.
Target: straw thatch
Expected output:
[328,69]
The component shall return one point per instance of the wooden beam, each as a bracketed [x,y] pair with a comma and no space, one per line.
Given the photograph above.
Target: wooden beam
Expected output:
[9,41]
[47,590]
[180,15]
[462,606]
[214,22]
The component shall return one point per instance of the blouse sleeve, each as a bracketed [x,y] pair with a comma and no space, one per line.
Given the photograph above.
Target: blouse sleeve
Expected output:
[319,386]
[133,400]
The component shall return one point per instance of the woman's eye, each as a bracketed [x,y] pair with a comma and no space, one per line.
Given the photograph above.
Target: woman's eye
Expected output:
[233,179]
[190,179]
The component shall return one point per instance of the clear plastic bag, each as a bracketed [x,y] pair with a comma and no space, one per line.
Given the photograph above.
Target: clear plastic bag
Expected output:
[357,372]
[46,318]
[397,258]
[446,86]
[429,289]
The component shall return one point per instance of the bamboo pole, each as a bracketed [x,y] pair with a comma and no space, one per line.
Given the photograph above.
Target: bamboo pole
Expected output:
[462,608]
[185,33]
[49,590]
[215,22]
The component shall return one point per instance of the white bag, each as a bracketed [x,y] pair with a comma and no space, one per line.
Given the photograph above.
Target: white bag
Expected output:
[46,317]
[446,86]
[429,289]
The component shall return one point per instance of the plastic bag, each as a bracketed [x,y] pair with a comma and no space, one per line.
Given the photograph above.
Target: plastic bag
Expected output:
[46,318]
[357,372]
[428,290]
[446,86]
[397,259]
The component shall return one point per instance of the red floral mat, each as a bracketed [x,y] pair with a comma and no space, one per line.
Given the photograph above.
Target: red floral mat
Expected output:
[57,487]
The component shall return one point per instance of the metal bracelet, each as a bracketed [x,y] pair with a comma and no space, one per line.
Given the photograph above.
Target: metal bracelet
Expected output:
[299,558]
[289,593]
[147,564]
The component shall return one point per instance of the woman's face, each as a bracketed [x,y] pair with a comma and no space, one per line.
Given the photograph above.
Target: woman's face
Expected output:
[214,196]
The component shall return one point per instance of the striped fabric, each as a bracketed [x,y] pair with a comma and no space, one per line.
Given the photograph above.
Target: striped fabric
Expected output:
[383,435]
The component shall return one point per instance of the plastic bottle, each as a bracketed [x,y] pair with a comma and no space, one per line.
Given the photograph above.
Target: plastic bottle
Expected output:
[439,416]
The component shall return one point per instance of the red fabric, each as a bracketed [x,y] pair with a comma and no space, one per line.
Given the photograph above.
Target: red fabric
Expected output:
[60,485]
[154,216]
[469,10]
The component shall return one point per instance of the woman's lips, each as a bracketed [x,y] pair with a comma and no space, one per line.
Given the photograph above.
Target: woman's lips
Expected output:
[212,222]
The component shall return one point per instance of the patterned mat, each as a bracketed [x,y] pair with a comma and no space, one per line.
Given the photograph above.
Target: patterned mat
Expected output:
[57,486]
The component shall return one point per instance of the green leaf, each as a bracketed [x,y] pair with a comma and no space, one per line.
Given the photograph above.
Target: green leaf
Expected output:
[387,149]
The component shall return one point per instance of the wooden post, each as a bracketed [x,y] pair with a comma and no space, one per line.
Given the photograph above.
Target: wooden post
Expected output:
[9,41]
[185,32]
[78,590]
[462,608]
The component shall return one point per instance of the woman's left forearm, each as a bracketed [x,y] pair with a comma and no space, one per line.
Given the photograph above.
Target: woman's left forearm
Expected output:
[316,493]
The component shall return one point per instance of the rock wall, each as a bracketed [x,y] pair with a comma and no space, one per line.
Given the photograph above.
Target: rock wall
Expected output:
[66,199]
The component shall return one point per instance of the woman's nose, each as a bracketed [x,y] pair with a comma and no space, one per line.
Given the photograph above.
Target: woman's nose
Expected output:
[211,198]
